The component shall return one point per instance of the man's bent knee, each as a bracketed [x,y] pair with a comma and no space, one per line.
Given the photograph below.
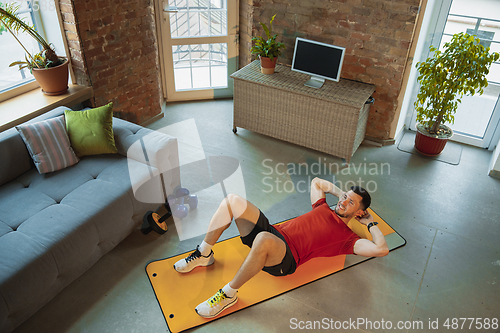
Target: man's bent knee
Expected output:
[271,245]
[268,242]
[236,204]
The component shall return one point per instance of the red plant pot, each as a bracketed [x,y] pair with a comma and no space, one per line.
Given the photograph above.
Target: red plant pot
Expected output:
[429,145]
[267,65]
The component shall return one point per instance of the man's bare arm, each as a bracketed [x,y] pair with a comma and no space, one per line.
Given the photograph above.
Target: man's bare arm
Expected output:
[377,247]
[319,187]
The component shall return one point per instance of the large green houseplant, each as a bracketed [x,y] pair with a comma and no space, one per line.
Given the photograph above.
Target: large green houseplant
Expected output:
[444,78]
[50,71]
[268,49]
[2,28]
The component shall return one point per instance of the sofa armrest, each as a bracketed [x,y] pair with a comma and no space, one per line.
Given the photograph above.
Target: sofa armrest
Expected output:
[153,160]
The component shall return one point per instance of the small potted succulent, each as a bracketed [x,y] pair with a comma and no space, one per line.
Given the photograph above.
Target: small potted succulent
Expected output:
[268,49]
[49,70]
[444,78]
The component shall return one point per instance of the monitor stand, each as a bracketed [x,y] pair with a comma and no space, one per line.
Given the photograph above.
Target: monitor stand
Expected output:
[315,82]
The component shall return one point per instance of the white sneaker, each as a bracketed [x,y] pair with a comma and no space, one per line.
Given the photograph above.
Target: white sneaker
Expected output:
[213,306]
[194,260]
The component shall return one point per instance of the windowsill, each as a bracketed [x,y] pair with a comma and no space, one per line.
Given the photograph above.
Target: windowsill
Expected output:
[33,103]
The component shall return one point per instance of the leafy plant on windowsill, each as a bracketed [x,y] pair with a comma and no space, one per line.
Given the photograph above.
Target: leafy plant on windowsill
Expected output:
[11,21]
[2,28]
[269,48]
[447,76]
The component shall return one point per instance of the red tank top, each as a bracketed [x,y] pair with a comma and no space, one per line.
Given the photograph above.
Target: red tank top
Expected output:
[318,233]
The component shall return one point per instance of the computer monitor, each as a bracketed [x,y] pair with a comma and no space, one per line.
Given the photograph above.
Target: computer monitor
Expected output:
[321,61]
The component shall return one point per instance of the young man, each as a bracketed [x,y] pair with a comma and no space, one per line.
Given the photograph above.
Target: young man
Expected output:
[279,250]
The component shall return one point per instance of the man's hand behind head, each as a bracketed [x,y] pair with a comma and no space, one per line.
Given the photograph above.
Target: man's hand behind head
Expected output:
[365,219]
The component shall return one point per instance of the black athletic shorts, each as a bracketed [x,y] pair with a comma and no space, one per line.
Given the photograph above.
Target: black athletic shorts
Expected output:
[288,265]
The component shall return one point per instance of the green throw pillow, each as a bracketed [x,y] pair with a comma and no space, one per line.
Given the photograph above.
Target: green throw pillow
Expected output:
[91,131]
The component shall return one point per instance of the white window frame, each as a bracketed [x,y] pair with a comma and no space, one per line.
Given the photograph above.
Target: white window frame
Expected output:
[30,85]
[39,23]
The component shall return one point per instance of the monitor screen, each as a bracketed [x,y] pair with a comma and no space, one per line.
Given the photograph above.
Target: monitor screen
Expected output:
[318,59]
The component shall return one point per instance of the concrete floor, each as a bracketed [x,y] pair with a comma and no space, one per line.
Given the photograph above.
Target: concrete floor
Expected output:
[449,215]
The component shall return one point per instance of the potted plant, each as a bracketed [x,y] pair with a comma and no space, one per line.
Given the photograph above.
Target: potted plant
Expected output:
[49,70]
[444,78]
[268,50]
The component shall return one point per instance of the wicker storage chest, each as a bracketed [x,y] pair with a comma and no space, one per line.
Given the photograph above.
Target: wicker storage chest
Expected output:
[331,119]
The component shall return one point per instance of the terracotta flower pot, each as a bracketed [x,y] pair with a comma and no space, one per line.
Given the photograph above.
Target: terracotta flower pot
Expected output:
[430,145]
[267,65]
[54,80]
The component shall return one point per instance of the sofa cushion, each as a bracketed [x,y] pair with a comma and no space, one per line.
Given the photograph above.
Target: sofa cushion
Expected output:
[24,259]
[4,228]
[91,131]
[18,203]
[95,165]
[106,204]
[57,223]
[114,168]
[55,185]
[48,144]
[15,159]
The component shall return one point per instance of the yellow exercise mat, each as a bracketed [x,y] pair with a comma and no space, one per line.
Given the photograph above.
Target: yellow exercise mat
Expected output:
[178,294]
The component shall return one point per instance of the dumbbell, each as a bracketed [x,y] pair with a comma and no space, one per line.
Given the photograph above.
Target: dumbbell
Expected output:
[179,199]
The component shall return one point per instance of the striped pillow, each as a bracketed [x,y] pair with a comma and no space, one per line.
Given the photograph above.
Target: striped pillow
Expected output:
[48,144]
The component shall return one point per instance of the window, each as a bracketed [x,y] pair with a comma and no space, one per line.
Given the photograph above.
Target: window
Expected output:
[10,50]
[478,116]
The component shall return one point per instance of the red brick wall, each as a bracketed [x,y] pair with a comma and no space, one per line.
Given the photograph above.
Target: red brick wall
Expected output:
[376,34]
[246,24]
[113,48]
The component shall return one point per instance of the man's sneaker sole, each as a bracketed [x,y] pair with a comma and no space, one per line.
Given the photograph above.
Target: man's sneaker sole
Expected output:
[224,308]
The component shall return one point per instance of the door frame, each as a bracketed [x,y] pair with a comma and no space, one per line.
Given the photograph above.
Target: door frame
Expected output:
[165,54]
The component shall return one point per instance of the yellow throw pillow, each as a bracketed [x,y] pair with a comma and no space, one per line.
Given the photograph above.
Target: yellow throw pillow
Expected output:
[91,131]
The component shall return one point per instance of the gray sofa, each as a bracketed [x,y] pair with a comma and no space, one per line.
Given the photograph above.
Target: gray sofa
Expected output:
[54,227]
